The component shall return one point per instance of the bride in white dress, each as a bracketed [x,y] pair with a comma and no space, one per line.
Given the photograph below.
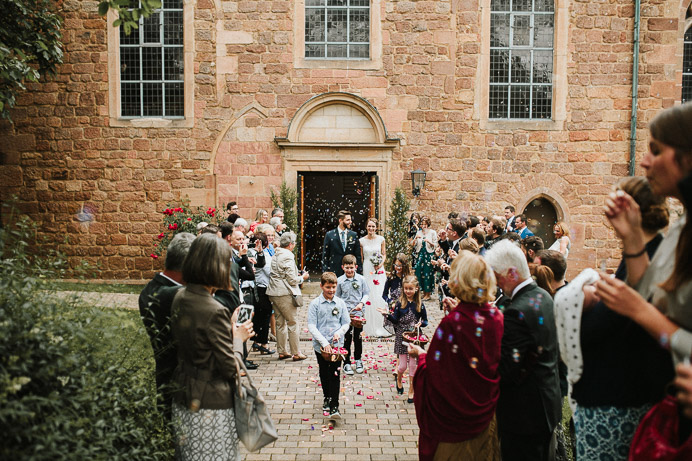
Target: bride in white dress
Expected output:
[370,246]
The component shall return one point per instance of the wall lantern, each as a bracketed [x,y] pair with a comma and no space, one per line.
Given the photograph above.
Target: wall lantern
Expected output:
[417,181]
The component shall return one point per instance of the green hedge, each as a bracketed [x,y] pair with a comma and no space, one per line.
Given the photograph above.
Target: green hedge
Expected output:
[76,382]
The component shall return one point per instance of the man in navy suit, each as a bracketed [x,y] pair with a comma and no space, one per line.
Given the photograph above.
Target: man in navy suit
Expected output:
[530,404]
[339,242]
[521,229]
[509,216]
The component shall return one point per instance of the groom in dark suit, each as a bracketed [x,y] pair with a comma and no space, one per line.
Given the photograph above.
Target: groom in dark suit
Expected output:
[339,242]
[529,407]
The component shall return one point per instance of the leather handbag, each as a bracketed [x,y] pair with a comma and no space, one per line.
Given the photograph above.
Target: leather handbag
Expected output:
[657,437]
[253,422]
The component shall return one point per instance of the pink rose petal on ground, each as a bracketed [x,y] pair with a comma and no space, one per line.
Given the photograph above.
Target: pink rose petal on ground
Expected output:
[370,397]
[359,404]
[306,419]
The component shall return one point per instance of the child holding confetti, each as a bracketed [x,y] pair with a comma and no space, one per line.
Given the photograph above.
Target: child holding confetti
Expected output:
[328,321]
[409,312]
[392,288]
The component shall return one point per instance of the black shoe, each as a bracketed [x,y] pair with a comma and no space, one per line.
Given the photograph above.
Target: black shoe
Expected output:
[325,404]
[400,390]
[409,400]
[250,365]
[334,413]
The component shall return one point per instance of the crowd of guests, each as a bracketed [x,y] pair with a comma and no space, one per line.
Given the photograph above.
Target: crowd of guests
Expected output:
[515,341]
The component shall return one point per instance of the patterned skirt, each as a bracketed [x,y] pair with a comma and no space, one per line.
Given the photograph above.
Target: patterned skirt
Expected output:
[605,433]
[205,435]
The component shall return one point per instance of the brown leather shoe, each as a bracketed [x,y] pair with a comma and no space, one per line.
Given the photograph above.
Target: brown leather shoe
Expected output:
[298,357]
[284,356]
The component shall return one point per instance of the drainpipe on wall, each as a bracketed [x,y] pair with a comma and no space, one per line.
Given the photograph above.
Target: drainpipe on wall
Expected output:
[635,86]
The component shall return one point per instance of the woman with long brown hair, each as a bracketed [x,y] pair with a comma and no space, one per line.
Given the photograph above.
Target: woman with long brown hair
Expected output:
[666,280]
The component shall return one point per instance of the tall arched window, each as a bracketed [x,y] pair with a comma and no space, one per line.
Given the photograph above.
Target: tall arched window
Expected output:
[521,59]
[687,59]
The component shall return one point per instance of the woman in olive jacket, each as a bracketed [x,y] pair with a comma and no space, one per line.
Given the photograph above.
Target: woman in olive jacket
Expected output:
[209,346]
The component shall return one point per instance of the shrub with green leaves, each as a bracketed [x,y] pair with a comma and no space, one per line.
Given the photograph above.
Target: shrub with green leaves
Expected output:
[396,236]
[76,382]
[287,200]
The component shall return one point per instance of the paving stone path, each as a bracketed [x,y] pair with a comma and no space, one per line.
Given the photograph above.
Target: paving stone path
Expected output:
[377,424]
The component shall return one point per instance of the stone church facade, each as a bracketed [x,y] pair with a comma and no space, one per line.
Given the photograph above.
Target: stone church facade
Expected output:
[522,102]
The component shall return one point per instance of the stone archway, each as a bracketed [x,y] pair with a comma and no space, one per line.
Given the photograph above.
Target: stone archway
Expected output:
[338,133]
[543,207]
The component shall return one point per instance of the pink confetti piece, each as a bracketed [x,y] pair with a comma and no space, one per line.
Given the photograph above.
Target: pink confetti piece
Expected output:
[370,397]
[359,404]
[306,419]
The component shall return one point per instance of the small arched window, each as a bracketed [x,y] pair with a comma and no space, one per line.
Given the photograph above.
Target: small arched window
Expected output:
[541,216]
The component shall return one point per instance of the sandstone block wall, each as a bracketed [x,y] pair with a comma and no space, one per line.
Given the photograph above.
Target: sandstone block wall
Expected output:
[64,155]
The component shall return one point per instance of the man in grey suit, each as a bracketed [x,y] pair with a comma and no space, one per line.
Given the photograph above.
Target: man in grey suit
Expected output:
[339,242]
[529,407]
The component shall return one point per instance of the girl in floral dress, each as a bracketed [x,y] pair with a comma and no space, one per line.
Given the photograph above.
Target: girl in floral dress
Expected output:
[408,314]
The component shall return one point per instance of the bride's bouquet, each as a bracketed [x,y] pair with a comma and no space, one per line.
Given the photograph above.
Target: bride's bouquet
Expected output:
[376,259]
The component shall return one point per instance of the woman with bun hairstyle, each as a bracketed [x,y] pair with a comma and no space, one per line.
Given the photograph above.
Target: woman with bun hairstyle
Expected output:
[625,370]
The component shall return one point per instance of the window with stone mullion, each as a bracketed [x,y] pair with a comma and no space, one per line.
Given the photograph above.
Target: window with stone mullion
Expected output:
[337,29]
[687,67]
[521,59]
[152,65]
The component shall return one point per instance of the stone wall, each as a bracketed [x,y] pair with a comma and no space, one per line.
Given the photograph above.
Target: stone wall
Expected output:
[65,154]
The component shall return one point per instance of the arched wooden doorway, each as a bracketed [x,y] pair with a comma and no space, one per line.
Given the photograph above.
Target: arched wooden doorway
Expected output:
[541,216]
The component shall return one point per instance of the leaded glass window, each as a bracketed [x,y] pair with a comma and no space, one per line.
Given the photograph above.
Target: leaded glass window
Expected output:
[521,59]
[337,29]
[152,65]
[687,67]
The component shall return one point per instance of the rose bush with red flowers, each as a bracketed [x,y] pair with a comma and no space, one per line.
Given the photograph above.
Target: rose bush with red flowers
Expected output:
[182,219]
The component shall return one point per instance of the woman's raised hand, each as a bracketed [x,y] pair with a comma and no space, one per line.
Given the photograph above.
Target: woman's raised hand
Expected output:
[619,297]
[624,215]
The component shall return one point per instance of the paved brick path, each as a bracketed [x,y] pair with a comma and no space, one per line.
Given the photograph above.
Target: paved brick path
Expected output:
[382,427]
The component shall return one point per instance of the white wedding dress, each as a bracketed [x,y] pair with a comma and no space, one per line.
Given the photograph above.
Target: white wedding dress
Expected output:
[374,325]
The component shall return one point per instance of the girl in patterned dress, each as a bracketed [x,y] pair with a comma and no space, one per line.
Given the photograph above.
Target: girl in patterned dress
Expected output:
[409,313]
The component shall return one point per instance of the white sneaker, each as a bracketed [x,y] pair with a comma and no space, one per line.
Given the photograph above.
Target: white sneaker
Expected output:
[347,369]
[359,366]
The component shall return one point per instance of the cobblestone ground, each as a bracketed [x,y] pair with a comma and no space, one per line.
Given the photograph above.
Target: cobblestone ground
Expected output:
[377,424]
